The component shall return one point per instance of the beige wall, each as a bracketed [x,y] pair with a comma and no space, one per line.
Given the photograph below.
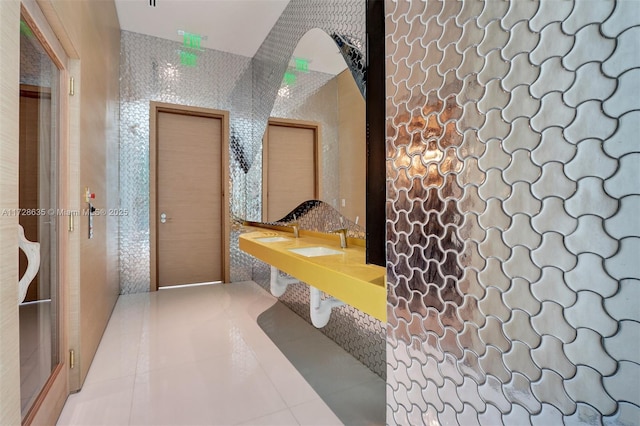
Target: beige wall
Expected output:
[90,33]
[352,145]
[93,33]
[9,344]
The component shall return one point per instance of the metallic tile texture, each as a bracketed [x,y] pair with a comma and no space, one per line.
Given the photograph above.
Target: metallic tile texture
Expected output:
[343,19]
[35,64]
[358,333]
[151,70]
[316,215]
[512,234]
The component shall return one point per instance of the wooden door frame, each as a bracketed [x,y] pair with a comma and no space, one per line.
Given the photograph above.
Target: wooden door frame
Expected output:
[317,150]
[154,109]
[49,403]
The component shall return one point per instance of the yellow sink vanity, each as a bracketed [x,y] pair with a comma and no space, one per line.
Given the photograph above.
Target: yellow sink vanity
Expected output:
[317,260]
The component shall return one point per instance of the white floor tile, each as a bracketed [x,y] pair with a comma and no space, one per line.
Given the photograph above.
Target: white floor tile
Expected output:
[315,413]
[102,403]
[128,314]
[362,404]
[177,345]
[327,367]
[281,418]
[293,388]
[223,390]
[198,356]
[117,356]
[185,306]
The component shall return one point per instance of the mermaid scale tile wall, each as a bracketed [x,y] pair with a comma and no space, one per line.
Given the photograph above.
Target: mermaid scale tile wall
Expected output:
[151,71]
[513,185]
[343,19]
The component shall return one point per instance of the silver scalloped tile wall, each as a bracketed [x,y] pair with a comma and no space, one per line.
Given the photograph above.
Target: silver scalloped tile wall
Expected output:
[151,71]
[343,18]
[513,190]
[359,334]
[319,216]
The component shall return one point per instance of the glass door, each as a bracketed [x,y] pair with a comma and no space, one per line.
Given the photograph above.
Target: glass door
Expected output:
[38,212]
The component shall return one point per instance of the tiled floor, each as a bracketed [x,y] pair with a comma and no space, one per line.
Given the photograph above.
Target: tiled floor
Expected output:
[198,356]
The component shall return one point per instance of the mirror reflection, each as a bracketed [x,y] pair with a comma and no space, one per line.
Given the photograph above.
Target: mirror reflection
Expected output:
[38,304]
[314,147]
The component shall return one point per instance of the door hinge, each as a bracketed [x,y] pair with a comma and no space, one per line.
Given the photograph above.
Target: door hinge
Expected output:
[71,86]
[72,358]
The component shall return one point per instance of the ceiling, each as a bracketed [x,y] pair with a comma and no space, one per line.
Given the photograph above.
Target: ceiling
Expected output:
[234,26]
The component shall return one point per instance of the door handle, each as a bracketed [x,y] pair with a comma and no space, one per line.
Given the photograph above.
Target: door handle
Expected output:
[164,218]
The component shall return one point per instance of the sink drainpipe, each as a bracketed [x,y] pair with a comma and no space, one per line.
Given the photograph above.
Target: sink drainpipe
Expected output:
[279,284]
[320,309]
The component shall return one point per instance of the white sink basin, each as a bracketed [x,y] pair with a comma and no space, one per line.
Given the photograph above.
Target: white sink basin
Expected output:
[272,239]
[315,251]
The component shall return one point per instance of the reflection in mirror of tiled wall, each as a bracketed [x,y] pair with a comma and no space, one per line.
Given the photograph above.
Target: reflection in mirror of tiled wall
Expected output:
[314,97]
[343,17]
[513,191]
[356,332]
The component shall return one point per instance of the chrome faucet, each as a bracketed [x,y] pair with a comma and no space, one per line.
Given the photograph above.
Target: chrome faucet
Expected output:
[342,232]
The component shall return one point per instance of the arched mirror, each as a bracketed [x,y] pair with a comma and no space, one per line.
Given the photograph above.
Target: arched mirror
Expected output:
[315,140]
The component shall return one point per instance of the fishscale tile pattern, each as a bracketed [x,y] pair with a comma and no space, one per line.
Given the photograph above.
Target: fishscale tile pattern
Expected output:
[344,20]
[513,169]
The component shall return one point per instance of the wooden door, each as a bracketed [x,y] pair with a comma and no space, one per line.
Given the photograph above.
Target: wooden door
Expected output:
[290,167]
[189,194]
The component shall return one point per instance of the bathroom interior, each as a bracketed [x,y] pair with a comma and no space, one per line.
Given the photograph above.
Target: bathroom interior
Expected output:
[424,211]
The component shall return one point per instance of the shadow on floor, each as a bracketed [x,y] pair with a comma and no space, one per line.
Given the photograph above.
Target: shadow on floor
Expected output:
[353,392]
